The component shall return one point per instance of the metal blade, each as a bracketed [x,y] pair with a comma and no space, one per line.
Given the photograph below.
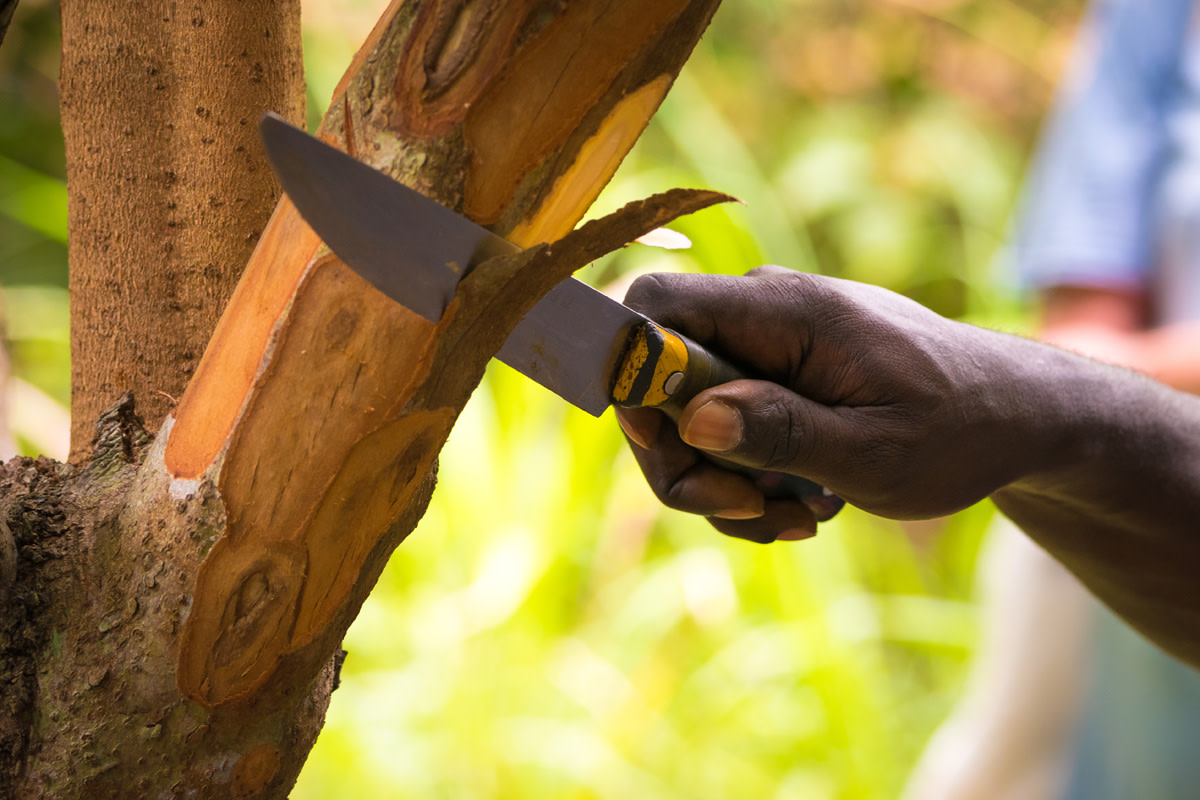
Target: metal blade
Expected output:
[409,247]
[415,251]
[571,342]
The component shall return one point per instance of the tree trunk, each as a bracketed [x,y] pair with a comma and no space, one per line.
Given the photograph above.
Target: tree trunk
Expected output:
[169,188]
[175,606]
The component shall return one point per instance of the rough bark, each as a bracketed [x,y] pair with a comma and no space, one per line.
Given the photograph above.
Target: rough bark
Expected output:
[87,643]
[178,603]
[169,189]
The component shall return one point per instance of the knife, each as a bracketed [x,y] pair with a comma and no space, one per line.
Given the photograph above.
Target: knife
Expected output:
[580,344]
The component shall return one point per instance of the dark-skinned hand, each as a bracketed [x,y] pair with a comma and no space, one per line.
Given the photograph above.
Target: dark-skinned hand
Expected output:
[893,408]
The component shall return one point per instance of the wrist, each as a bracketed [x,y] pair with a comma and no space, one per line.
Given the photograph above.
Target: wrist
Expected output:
[1053,412]
[1072,420]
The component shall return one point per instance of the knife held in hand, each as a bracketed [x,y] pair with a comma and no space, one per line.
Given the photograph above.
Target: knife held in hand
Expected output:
[582,345]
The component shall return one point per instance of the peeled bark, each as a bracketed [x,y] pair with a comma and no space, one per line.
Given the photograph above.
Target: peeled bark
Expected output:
[183,600]
[303,413]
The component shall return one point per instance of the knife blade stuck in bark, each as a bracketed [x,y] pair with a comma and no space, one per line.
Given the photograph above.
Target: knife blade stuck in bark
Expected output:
[582,345]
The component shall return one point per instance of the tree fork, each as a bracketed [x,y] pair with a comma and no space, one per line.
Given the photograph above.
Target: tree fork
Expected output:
[202,582]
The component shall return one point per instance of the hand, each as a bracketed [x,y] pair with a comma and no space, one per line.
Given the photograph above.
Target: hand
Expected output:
[895,409]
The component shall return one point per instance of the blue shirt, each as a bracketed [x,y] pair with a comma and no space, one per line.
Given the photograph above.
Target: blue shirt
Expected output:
[1092,208]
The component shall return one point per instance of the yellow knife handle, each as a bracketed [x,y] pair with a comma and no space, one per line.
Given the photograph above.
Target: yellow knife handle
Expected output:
[663,369]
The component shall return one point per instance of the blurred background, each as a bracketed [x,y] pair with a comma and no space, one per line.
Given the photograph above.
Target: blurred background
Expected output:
[549,631]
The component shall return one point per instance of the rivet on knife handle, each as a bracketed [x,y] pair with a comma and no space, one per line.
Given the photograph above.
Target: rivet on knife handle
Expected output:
[665,370]
[652,367]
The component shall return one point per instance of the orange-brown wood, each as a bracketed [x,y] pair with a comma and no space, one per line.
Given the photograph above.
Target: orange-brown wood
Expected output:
[454,54]
[196,585]
[548,89]
[313,486]
[207,412]
[320,405]
[579,184]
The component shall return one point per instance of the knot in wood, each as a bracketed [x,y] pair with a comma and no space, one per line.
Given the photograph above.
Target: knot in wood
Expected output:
[120,436]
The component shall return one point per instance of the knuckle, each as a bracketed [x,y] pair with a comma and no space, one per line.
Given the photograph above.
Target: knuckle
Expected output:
[787,444]
[649,292]
[792,278]
[767,270]
[796,292]
[672,492]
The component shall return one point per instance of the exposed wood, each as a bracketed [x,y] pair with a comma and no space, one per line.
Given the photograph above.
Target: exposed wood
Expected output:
[169,189]
[313,485]
[302,413]
[553,86]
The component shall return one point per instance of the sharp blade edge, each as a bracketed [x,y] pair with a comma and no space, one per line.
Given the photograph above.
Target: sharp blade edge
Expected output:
[415,251]
[409,247]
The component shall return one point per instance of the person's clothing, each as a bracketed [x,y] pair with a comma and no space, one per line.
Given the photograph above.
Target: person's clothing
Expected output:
[1091,202]
[1176,273]
[1141,722]
[1114,202]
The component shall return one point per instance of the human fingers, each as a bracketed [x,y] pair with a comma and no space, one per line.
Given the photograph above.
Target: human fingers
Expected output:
[756,323]
[766,426]
[782,520]
[883,460]
[685,480]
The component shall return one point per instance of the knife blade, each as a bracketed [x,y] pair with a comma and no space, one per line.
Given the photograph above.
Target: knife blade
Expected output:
[582,345]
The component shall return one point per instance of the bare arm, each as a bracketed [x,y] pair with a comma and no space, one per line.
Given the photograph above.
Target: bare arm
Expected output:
[907,414]
[1118,507]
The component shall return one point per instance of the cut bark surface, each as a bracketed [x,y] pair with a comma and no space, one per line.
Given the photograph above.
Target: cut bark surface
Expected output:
[301,570]
[320,405]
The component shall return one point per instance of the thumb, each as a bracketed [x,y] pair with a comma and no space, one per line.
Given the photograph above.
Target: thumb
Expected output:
[763,425]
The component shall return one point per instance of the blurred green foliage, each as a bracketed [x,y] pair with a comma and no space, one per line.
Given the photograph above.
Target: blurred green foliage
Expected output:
[33,233]
[549,631]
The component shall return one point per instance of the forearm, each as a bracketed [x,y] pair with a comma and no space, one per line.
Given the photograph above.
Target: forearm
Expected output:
[1111,487]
